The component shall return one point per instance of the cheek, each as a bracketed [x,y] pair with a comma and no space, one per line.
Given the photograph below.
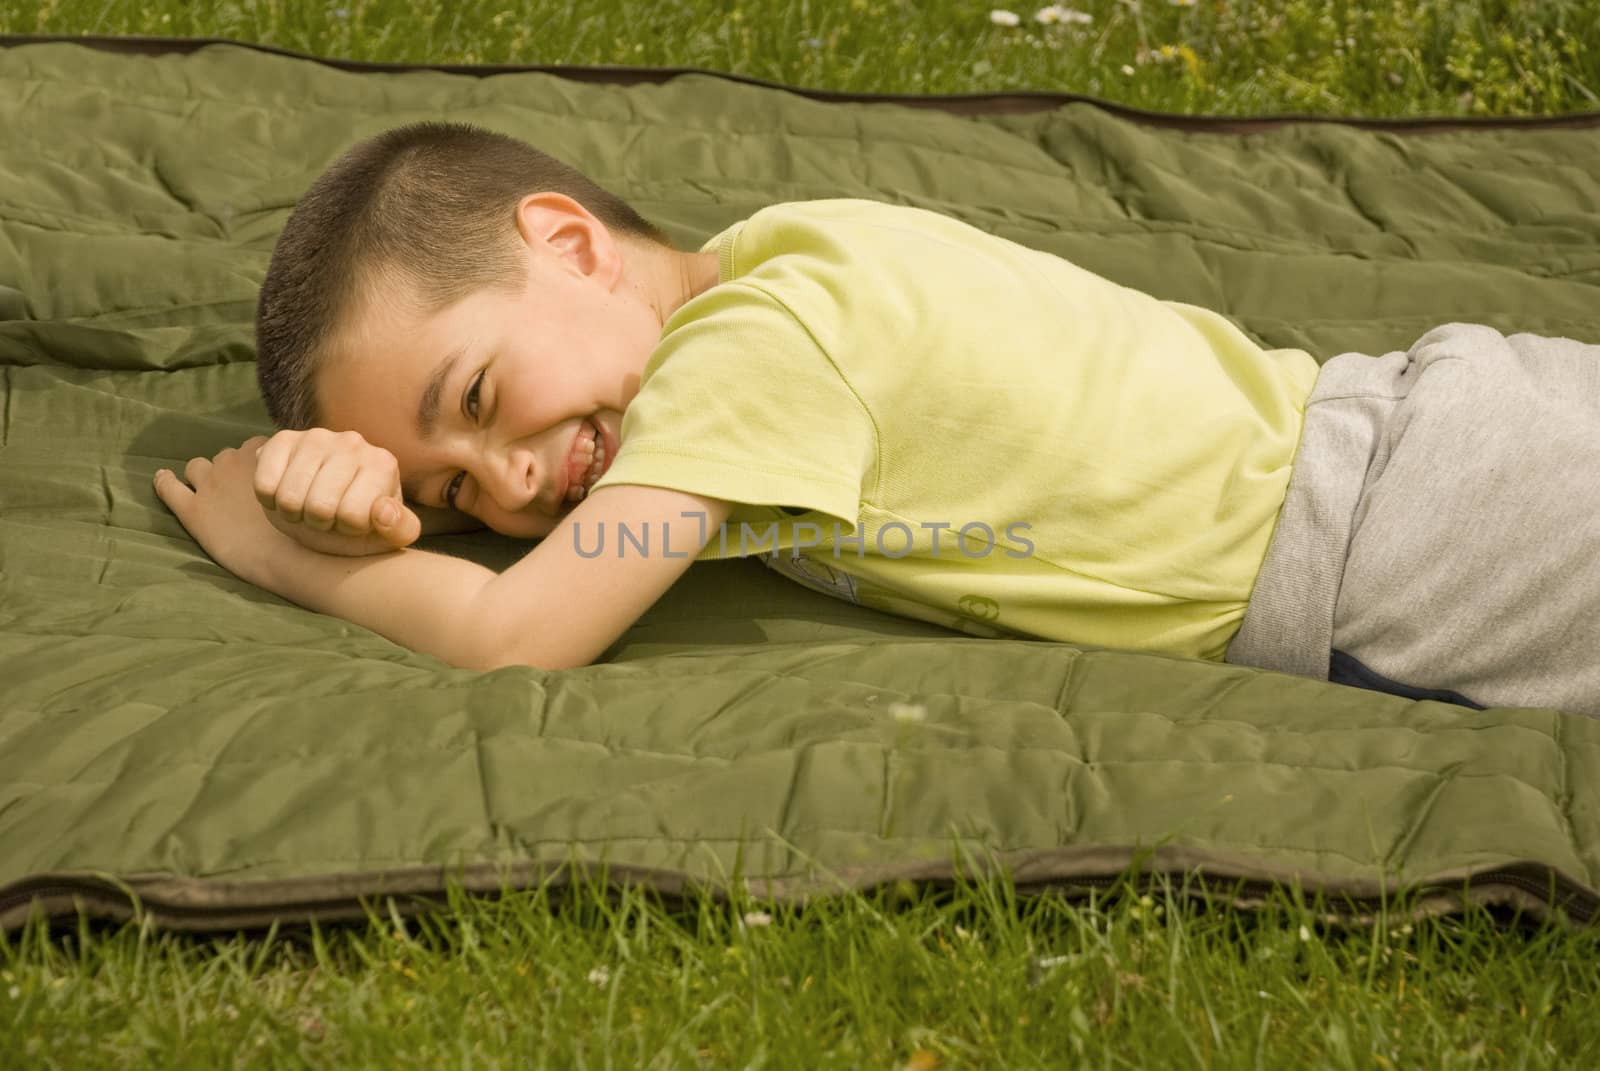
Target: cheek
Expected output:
[539,395]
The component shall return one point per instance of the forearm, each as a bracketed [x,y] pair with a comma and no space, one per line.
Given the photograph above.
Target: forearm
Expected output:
[427,602]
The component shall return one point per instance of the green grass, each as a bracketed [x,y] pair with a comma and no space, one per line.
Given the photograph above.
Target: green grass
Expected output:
[896,978]
[899,978]
[1400,57]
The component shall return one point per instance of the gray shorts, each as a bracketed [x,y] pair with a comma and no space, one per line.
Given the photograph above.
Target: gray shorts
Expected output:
[1440,537]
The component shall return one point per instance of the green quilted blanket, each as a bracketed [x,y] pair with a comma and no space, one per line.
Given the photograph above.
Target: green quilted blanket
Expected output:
[175,741]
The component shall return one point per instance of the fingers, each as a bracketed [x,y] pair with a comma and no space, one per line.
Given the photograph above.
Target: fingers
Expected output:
[272,461]
[358,512]
[328,490]
[397,524]
[327,480]
[310,482]
[199,473]
[173,492]
[180,495]
[289,496]
[196,470]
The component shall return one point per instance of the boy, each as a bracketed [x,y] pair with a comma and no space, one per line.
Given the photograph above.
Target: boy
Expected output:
[949,426]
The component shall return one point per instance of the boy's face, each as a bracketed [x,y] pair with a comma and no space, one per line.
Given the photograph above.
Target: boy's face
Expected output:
[491,404]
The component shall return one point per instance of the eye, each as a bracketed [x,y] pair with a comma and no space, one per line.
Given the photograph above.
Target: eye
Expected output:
[453,488]
[472,397]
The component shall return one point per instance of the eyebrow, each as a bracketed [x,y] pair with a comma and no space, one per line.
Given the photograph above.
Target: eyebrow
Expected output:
[428,411]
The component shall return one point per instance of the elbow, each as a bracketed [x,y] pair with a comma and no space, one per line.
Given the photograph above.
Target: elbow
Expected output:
[501,658]
[494,637]
[495,651]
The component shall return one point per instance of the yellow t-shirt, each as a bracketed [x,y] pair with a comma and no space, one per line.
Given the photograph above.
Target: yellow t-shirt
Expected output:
[971,432]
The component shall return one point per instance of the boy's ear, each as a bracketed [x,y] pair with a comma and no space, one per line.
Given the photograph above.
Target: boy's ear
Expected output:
[554,224]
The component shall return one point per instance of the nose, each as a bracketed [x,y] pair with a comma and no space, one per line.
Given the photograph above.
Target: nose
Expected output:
[511,479]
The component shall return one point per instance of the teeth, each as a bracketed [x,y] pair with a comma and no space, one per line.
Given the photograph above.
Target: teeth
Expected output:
[595,448]
[595,466]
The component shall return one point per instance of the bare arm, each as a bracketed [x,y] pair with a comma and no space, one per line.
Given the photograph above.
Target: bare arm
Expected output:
[560,606]
[555,608]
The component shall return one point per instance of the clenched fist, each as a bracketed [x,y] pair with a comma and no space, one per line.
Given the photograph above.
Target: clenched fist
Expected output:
[334,492]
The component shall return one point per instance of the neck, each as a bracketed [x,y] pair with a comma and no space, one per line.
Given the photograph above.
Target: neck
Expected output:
[668,279]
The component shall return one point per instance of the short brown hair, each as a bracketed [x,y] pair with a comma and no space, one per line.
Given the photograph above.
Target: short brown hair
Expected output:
[432,204]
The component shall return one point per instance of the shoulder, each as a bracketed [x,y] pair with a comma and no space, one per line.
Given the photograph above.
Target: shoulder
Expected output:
[806,270]
[831,225]
[850,254]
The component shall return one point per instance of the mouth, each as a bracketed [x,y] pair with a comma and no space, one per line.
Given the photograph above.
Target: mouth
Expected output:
[586,462]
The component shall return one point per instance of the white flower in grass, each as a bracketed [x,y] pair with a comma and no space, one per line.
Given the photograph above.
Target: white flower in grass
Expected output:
[756,918]
[1001,17]
[600,975]
[1127,68]
[1181,3]
[908,713]
[1065,15]
[1305,934]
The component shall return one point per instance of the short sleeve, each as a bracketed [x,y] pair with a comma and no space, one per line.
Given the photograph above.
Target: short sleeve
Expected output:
[740,402]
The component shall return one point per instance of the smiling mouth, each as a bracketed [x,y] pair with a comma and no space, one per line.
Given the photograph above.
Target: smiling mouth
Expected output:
[587,462]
